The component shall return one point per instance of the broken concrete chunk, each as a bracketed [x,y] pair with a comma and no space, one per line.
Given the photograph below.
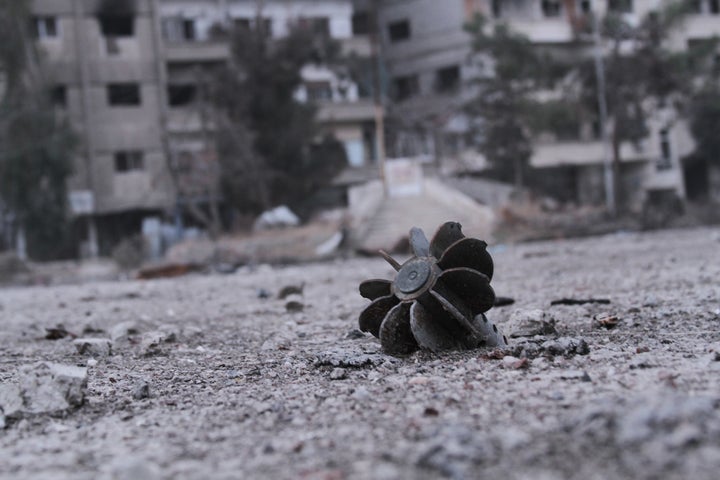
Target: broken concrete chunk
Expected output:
[44,388]
[94,347]
[122,331]
[528,323]
[152,341]
[11,402]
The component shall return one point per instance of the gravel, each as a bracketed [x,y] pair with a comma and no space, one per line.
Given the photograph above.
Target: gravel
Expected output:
[209,379]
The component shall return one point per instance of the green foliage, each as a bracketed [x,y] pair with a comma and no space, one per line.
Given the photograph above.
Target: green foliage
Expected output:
[35,146]
[503,110]
[255,96]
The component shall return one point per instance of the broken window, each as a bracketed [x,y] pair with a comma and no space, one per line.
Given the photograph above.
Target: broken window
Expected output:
[551,8]
[318,91]
[406,86]
[116,17]
[128,160]
[447,79]
[242,23]
[117,26]
[696,6]
[714,6]
[123,94]
[585,6]
[58,96]
[620,6]
[361,23]
[181,94]
[399,31]
[44,27]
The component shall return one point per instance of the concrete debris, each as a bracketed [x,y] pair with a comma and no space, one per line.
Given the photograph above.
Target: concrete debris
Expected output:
[141,390]
[152,342]
[562,346]
[343,357]
[529,323]
[607,321]
[338,374]
[514,363]
[123,331]
[94,347]
[288,290]
[44,388]
[58,332]
[294,306]
[278,217]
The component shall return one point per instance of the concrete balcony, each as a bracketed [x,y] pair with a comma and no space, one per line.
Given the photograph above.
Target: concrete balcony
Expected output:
[547,31]
[581,153]
[346,112]
[702,26]
[188,120]
[358,45]
[197,51]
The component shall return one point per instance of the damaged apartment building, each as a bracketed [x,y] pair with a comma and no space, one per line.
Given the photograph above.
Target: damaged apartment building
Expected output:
[129,75]
[428,55]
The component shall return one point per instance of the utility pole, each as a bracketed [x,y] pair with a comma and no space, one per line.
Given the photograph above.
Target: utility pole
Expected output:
[609,174]
[376,54]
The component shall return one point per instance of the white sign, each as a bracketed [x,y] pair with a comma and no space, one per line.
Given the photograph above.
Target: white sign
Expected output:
[404,177]
[82,202]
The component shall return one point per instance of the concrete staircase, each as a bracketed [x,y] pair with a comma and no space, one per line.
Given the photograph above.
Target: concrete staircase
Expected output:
[436,205]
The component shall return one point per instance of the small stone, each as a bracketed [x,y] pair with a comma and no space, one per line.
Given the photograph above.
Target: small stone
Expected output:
[122,331]
[294,306]
[152,342]
[263,293]
[514,363]
[361,394]
[94,347]
[92,362]
[338,374]
[354,334]
[607,321]
[141,391]
[529,323]
[575,375]
[418,380]
[288,290]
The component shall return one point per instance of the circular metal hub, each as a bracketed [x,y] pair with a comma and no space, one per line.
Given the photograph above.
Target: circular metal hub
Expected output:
[413,276]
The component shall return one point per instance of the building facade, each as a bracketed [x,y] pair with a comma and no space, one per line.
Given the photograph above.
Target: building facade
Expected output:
[129,75]
[428,56]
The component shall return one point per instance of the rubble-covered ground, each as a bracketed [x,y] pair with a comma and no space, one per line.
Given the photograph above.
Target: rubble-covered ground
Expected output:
[202,377]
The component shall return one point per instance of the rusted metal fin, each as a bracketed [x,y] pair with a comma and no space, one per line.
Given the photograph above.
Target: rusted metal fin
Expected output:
[395,264]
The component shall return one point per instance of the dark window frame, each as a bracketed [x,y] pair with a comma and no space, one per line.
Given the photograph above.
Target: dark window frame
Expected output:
[447,79]
[181,94]
[126,161]
[117,25]
[58,95]
[621,6]
[399,30]
[551,8]
[45,26]
[361,22]
[124,94]
[406,86]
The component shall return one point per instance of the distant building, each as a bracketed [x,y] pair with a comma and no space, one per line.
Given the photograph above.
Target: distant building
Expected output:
[128,74]
[427,54]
